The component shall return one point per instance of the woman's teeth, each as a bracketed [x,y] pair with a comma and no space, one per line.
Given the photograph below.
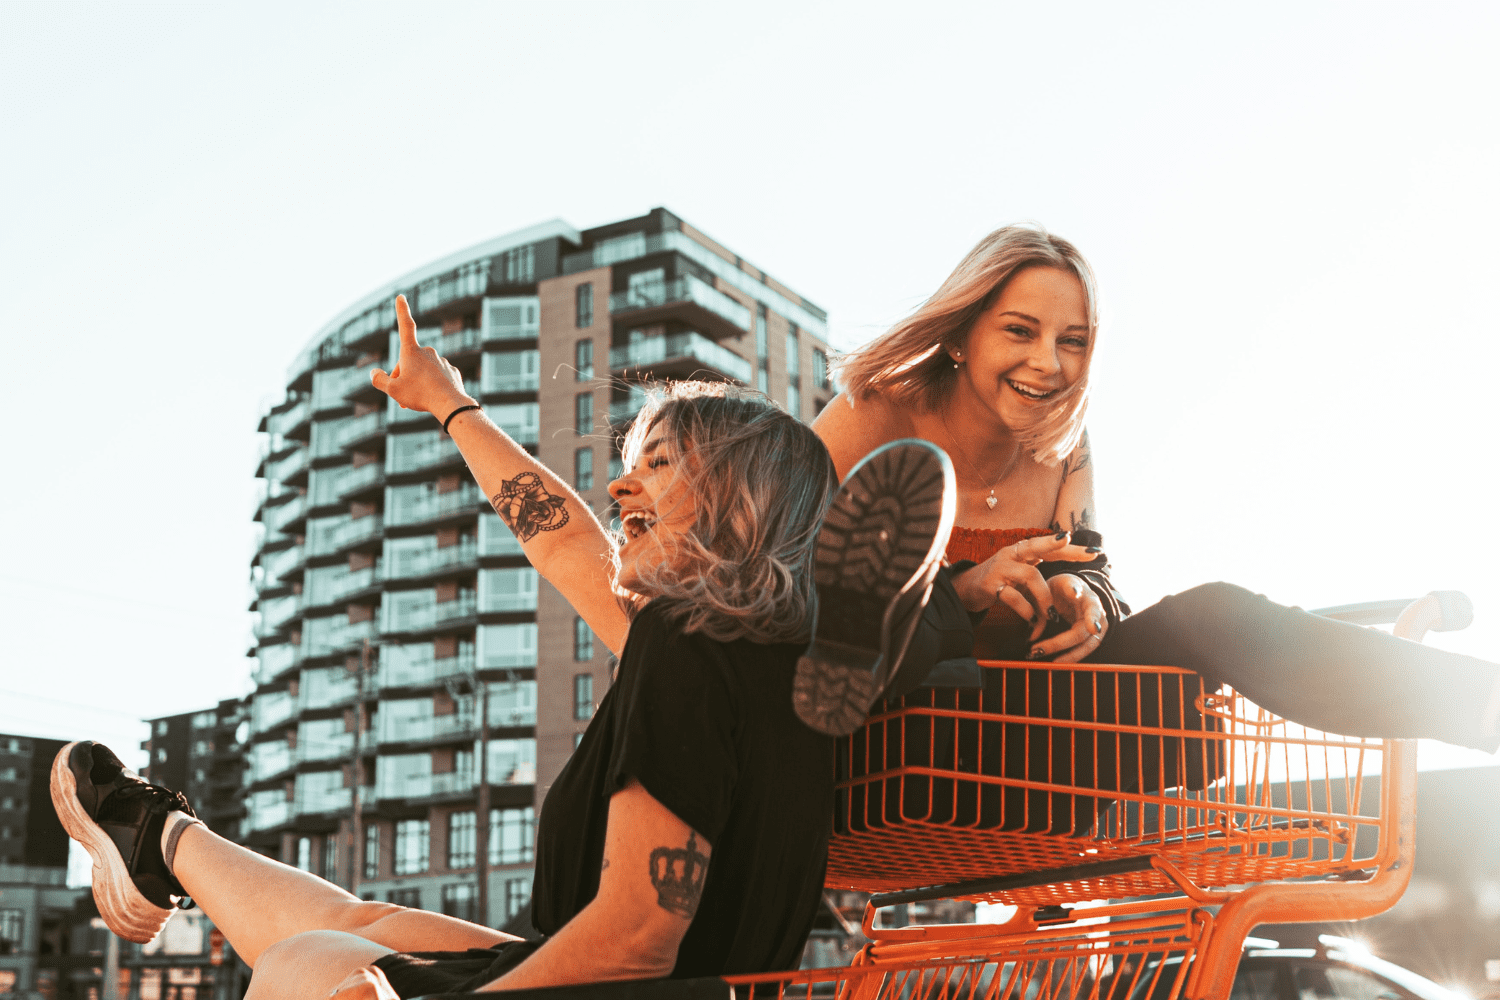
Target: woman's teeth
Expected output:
[635,523]
[1029,392]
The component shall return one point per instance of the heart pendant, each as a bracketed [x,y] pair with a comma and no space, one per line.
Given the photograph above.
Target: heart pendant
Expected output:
[990,501]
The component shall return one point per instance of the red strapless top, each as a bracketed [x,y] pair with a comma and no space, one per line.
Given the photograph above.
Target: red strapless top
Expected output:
[1002,635]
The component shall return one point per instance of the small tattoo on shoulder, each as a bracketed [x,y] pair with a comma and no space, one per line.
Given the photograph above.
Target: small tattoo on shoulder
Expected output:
[678,874]
[604,865]
[524,504]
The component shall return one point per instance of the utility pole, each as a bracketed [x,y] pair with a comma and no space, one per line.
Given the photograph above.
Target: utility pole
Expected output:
[482,804]
[357,769]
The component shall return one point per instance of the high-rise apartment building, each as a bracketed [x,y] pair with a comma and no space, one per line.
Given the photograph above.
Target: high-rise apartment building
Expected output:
[201,755]
[385,583]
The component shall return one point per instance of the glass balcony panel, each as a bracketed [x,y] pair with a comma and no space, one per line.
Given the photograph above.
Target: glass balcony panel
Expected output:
[506,645]
[686,288]
[404,560]
[324,687]
[452,783]
[274,660]
[402,776]
[462,607]
[512,703]
[513,318]
[511,371]
[278,517]
[280,423]
[266,760]
[322,792]
[394,414]
[270,710]
[275,613]
[456,342]
[356,530]
[325,436]
[511,762]
[358,477]
[621,410]
[510,589]
[420,502]
[286,468]
[407,610]
[323,485]
[266,809]
[410,452]
[414,719]
[413,664]
[330,387]
[495,539]
[469,280]
[322,534]
[359,428]
[520,420]
[323,739]
[351,582]
[324,636]
[643,350]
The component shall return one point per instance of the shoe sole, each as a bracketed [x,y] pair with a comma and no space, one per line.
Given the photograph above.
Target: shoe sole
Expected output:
[881,540]
[126,912]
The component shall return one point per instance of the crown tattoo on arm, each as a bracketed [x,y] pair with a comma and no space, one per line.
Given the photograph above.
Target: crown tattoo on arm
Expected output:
[678,874]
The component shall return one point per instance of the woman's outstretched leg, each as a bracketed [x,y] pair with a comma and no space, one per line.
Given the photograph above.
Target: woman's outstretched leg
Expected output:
[1327,674]
[132,829]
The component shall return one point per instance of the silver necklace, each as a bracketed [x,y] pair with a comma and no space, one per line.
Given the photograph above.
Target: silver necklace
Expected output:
[990,500]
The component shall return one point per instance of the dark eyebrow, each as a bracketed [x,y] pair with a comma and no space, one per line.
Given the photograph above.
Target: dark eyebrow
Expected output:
[652,445]
[1033,319]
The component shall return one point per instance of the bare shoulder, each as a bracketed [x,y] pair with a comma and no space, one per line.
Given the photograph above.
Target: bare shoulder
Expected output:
[852,432]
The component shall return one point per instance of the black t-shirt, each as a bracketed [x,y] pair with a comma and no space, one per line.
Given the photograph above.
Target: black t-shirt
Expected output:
[708,729]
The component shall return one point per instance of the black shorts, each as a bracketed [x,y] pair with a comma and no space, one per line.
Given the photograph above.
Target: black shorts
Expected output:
[418,973]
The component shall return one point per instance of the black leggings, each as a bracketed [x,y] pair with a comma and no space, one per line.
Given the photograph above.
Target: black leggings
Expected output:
[1322,673]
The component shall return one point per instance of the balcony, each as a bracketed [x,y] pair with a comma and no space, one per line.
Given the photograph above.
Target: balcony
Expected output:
[291,422]
[275,613]
[397,728]
[341,587]
[423,671]
[326,636]
[291,470]
[353,533]
[284,518]
[415,611]
[326,687]
[519,420]
[507,589]
[622,410]
[280,567]
[416,452]
[687,298]
[514,318]
[360,482]
[495,539]
[267,760]
[270,710]
[679,352]
[267,809]
[318,799]
[324,739]
[331,386]
[418,505]
[511,371]
[273,661]
[361,431]
[406,564]
[455,343]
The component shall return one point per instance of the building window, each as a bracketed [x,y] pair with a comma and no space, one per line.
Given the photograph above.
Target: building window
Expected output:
[12,930]
[583,413]
[583,469]
[330,859]
[583,305]
[460,841]
[304,853]
[583,640]
[794,400]
[412,840]
[461,900]
[517,892]
[820,368]
[577,739]
[762,350]
[520,265]
[372,851]
[616,467]
[583,696]
[793,349]
[512,832]
[583,360]
[407,897]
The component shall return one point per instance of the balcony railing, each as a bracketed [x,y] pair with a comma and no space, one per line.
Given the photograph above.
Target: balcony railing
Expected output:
[415,616]
[272,661]
[621,410]
[360,429]
[408,563]
[264,813]
[270,710]
[289,467]
[275,613]
[355,581]
[658,349]
[411,452]
[421,672]
[511,371]
[360,477]
[412,507]
[331,386]
[322,800]
[406,728]
[324,747]
[684,289]
[353,532]
[456,342]
[277,518]
[339,637]
[269,759]
[289,420]
[495,539]
[325,688]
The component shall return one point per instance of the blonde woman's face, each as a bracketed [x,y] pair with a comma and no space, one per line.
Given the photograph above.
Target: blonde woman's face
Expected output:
[1028,346]
[656,509]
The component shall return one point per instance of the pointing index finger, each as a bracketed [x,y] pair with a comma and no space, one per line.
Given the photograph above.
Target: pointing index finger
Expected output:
[405,325]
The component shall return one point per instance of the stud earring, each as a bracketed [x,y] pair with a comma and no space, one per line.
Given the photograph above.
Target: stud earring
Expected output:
[955,365]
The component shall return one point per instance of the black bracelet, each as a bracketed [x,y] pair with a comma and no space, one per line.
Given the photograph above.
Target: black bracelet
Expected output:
[470,406]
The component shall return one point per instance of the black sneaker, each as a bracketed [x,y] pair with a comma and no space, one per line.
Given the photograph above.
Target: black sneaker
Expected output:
[118,817]
[881,543]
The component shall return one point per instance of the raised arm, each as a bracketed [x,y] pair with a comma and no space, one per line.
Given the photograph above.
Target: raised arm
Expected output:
[649,887]
[558,531]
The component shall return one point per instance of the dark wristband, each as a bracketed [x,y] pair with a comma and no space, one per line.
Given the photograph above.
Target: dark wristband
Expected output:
[470,406]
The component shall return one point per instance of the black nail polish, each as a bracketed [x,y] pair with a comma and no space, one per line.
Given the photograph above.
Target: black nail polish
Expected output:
[1093,549]
[1053,616]
[1060,535]
[1038,653]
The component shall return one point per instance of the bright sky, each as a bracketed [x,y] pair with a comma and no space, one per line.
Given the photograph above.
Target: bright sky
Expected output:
[1292,209]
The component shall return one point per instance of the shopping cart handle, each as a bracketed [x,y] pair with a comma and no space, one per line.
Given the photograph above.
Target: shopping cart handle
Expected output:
[706,988]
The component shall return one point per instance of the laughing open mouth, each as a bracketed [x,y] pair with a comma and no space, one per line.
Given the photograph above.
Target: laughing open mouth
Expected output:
[1030,393]
[636,522]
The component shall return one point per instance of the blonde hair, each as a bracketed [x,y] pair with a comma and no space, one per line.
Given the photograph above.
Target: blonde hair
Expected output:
[760,481]
[909,366]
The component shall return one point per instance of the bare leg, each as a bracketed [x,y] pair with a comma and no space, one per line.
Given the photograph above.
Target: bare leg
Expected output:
[258,903]
[310,965]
